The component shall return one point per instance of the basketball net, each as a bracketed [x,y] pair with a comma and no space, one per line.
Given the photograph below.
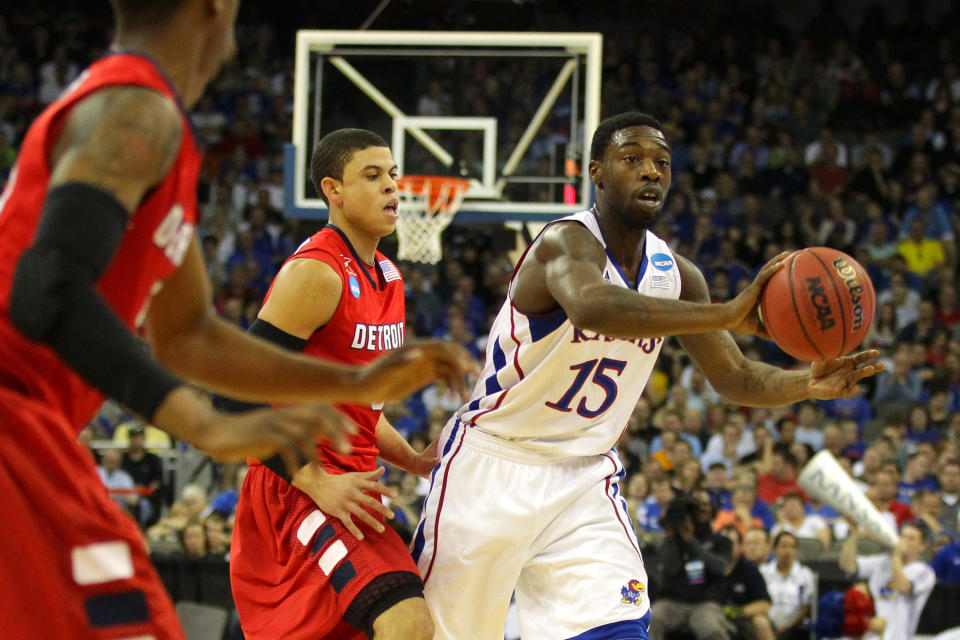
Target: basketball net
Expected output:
[427,205]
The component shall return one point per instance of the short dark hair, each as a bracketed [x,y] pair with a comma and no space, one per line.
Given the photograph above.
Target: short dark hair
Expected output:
[335,150]
[792,495]
[137,13]
[920,526]
[606,129]
[779,537]
[784,452]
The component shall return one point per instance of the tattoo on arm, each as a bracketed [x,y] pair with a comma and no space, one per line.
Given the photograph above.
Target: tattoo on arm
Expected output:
[121,139]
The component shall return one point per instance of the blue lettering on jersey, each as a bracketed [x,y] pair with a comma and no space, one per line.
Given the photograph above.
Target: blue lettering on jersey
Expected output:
[662,261]
[646,345]
[354,287]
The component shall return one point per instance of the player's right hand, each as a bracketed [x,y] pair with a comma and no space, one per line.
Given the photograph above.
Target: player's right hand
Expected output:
[291,432]
[415,365]
[743,310]
[346,495]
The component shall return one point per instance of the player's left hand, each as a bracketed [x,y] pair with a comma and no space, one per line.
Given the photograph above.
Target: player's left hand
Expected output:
[424,462]
[839,378]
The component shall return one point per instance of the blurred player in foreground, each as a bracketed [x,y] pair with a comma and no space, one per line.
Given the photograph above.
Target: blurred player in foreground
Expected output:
[526,496]
[96,242]
[300,566]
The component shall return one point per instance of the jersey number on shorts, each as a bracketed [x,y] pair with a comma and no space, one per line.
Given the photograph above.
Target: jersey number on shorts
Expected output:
[600,378]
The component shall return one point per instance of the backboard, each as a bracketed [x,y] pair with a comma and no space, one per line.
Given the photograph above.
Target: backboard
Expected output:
[512,112]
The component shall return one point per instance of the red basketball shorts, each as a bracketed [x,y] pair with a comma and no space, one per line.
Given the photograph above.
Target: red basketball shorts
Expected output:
[298,574]
[72,564]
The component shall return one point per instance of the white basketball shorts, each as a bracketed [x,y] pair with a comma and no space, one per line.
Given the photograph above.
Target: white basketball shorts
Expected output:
[497,519]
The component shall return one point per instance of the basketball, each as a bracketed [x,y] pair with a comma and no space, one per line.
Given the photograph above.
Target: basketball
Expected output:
[819,305]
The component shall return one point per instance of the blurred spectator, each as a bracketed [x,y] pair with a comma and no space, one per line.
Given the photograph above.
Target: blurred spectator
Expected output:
[899,581]
[650,511]
[777,474]
[946,564]
[904,300]
[117,481]
[898,384]
[225,503]
[691,564]
[792,518]
[218,537]
[927,509]
[883,493]
[746,591]
[745,511]
[716,482]
[808,425]
[916,475]
[949,478]
[671,421]
[193,537]
[922,254]
[791,586]
[919,427]
[194,498]
[756,546]
[146,470]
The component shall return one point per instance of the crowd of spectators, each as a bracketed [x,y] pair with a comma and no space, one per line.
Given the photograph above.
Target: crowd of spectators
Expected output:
[830,133]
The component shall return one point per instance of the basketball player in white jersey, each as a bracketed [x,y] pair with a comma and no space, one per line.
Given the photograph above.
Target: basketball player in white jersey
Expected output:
[526,497]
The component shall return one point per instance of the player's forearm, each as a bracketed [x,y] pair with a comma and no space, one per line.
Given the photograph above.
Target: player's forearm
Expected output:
[900,581]
[756,384]
[848,554]
[226,360]
[609,312]
[393,447]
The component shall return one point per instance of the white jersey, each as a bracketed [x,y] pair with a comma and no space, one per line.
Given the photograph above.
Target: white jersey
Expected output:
[561,391]
[902,612]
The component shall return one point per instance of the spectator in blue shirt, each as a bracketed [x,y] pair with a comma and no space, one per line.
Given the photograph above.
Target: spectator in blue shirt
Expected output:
[898,384]
[935,213]
[916,475]
[650,510]
[946,563]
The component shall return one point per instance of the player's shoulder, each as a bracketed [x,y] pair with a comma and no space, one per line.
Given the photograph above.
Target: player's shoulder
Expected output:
[134,129]
[569,238]
[145,107]
[308,271]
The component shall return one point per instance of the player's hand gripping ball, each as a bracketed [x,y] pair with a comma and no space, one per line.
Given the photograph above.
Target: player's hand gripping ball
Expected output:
[819,305]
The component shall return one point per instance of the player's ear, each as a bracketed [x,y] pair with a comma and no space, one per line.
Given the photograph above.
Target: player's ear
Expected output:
[596,175]
[333,190]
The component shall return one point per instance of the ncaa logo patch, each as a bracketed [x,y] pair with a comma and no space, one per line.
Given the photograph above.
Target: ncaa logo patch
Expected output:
[354,287]
[631,593]
[662,261]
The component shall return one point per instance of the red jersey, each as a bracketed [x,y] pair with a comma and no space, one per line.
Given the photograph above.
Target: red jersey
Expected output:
[368,322]
[770,490]
[152,248]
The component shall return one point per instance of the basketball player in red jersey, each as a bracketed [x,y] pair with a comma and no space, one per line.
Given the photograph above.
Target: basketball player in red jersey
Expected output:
[300,566]
[96,241]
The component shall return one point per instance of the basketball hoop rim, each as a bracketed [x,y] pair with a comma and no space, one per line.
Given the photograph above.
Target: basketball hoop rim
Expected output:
[416,182]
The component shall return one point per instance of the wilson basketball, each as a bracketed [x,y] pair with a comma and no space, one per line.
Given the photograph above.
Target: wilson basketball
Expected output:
[819,305]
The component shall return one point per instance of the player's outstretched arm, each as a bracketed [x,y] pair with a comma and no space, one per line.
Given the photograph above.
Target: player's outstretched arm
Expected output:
[189,338]
[114,147]
[567,268]
[757,384]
